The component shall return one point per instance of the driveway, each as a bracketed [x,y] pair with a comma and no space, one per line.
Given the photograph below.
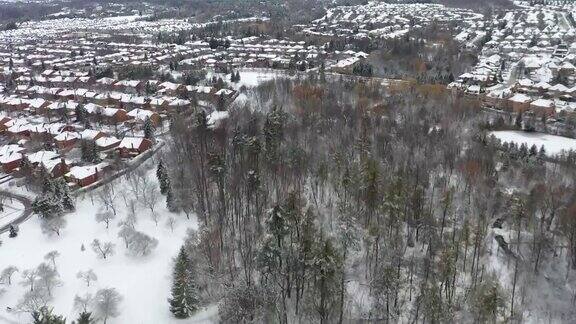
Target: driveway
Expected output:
[26,213]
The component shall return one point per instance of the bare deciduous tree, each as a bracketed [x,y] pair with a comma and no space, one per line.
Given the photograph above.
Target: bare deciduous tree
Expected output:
[6,275]
[81,303]
[142,244]
[151,198]
[107,197]
[87,276]
[105,217]
[33,300]
[106,302]
[103,249]
[170,222]
[126,233]
[53,225]
[48,277]
[29,277]
[51,257]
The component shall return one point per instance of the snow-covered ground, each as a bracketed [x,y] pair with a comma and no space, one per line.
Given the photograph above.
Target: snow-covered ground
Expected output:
[249,78]
[254,78]
[552,144]
[12,209]
[143,282]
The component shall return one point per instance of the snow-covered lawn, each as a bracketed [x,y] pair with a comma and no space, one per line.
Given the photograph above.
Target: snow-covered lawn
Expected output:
[249,78]
[552,144]
[143,282]
[12,209]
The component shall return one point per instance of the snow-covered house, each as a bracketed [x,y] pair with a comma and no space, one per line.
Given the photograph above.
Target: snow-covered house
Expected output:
[107,143]
[86,175]
[66,140]
[133,146]
[542,106]
[520,102]
[10,157]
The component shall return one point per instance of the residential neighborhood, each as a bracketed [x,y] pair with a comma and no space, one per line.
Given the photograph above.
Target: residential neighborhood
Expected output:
[526,63]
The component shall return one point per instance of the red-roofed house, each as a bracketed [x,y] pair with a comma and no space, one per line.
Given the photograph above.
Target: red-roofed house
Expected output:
[133,146]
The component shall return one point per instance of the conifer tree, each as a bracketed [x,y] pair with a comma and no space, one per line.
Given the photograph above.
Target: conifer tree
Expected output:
[533,150]
[541,154]
[84,318]
[184,299]
[81,113]
[84,150]
[163,178]
[44,316]
[64,194]
[13,231]
[89,151]
[148,129]
[171,201]
[26,167]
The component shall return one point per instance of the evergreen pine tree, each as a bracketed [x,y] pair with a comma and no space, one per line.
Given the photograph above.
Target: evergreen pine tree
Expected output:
[170,201]
[148,129]
[65,198]
[25,167]
[81,113]
[533,150]
[184,299]
[541,155]
[523,150]
[84,150]
[47,183]
[44,316]
[163,178]
[42,207]
[90,153]
[13,231]
[84,318]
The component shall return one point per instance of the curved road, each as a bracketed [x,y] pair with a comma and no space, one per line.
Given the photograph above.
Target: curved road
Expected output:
[26,202]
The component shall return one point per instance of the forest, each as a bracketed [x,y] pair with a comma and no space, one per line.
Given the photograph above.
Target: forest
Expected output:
[330,201]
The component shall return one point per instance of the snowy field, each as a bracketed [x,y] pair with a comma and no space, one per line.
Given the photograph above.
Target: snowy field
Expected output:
[143,281]
[12,209]
[249,78]
[552,144]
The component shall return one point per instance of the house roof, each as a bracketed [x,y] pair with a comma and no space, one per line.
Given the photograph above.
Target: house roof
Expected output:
[169,85]
[13,156]
[140,114]
[66,136]
[83,172]
[42,156]
[521,98]
[107,141]
[546,103]
[10,149]
[89,134]
[131,142]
